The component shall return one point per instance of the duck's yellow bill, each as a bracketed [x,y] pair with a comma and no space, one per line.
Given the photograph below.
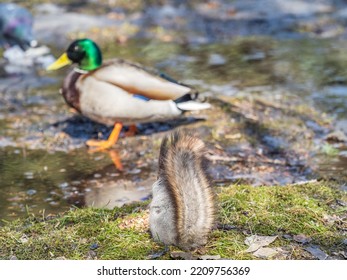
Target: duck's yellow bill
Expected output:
[62,61]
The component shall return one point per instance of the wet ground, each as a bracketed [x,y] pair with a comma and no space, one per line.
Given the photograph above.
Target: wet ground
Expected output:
[279,101]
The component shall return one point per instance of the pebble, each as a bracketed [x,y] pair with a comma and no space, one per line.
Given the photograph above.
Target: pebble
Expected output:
[31,192]
[29,175]
[64,185]
[54,203]
[134,171]
[216,60]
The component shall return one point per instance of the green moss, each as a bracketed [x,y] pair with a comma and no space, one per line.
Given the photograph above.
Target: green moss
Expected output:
[122,233]
[292,210]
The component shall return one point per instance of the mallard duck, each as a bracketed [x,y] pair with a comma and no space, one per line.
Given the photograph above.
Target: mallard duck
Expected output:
[118,92]
[16,26]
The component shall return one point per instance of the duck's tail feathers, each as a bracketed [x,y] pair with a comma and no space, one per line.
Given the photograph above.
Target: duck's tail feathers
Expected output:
[193,106]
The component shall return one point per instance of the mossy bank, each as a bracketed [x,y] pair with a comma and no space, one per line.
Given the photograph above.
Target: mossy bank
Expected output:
[301,216]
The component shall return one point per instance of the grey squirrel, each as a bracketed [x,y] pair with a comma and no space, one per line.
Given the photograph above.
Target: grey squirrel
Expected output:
[182,212]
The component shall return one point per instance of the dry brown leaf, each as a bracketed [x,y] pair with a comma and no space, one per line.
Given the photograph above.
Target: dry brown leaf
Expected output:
[256,241]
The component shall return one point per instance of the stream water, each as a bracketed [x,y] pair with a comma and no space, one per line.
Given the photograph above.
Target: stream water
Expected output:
[46,169]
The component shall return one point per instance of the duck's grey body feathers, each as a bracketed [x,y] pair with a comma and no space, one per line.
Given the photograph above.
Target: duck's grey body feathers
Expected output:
[183,207]
[113,104]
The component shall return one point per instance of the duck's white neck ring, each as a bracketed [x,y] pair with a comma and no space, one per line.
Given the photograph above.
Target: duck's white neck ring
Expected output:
[78,70]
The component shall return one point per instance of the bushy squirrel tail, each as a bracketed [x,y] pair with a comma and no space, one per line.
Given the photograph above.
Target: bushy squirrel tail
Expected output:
[182,211]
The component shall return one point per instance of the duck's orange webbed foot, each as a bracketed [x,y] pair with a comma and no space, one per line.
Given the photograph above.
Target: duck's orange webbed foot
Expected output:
[100,145]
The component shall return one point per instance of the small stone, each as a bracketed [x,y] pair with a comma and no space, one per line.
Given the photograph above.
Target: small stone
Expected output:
[287,236]
[64,185]
[54,203]
[24,239]
[31,192]
[134,171]
[301,238]
[254,57]
[60,258]
[29,175]
[94,246]
[91,255]
[216,59]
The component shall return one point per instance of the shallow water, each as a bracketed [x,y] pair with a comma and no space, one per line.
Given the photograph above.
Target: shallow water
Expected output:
[45,167]
[34,181]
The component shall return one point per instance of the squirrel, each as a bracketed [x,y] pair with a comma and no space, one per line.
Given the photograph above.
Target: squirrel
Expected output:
[182,211]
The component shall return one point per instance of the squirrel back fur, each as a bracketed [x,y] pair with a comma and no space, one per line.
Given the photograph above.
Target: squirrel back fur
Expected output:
[182,211]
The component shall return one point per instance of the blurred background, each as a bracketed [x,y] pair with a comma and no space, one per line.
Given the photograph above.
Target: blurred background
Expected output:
[274,71]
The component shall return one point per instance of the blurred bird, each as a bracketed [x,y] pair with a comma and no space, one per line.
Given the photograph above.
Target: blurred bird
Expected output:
[16,26]
[119,92]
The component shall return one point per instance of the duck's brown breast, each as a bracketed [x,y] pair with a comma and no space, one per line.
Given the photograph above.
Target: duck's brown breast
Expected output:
[70,92]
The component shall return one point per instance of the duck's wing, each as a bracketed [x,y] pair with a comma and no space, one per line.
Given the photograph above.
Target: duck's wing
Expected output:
[136,79]
[106,103]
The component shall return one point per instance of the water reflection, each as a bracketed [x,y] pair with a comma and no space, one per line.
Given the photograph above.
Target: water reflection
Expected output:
[334,167]
[33,181]
[117,193]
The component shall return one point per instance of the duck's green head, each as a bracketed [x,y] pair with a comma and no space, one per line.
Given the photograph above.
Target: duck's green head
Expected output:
[84,52]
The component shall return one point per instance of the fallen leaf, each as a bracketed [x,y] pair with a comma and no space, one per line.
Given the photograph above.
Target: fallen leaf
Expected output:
[255,242]
[336,136]
[343,254]
[341,202]
[265,253]
[282,253]
[233,136]
[157,255]
[330,220]
[209,257]
[317,252]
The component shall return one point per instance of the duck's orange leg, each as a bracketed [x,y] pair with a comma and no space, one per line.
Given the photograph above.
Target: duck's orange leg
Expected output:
[132,130]
[105,144]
